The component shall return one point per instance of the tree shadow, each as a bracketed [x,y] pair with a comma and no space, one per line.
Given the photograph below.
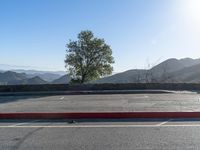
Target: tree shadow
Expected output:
[9,99]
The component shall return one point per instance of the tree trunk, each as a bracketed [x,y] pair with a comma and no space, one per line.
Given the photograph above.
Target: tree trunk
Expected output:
[83,79]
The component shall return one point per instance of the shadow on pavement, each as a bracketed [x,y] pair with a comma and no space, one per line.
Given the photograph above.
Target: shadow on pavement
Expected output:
[9,99]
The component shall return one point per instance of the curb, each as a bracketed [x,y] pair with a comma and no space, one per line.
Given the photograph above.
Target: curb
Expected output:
[99,115]
[86,92]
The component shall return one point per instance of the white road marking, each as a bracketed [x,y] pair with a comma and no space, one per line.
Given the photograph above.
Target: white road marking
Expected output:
[23,123]
[139,97]
[101,126]
[162,123]
[62,97]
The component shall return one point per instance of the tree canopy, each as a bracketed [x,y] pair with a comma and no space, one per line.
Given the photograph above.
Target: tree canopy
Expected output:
[88,58]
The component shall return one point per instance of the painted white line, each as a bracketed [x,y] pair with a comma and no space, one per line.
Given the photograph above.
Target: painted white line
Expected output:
[62,97]
[24,123]
[162,123]
[140,97]
[181,125]
[101,126]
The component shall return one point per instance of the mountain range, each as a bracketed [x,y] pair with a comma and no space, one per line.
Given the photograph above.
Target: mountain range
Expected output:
[186,70]
[13,78]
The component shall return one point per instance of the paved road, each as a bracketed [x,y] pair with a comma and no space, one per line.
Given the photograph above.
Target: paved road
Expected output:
[89,103]
[98,135]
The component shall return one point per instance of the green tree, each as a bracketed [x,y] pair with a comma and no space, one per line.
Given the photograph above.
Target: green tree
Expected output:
[88,58]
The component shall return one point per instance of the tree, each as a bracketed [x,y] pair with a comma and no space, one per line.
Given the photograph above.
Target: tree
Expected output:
[88,58]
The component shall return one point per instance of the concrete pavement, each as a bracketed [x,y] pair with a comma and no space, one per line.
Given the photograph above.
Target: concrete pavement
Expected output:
[107,134]
[100,134]
[181,102]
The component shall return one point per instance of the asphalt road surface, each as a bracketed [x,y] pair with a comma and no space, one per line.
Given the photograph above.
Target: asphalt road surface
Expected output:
[101,103]
[100,134]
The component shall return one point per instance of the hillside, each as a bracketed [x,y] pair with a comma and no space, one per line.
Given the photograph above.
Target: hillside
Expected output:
[129,76]
[187,62]
[62,80]
[185,70]
[45,75]
[167,66]
[171,70]
[188,74]
[13,78]
[49,77]
[34,80]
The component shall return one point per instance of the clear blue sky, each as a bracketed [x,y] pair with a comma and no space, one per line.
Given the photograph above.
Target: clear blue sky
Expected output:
[35,32]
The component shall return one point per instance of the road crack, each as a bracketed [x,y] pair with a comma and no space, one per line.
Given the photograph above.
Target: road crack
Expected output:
[21,141]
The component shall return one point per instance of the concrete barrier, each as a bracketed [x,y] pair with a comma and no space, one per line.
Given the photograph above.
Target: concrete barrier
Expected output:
[48,93]
[100,115]
[98,87]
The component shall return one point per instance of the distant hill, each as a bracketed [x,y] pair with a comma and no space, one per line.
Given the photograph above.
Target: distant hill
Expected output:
[130,76]
[45,75]
[27,69]
[184,70]
[188,74]
[62,80]
[10,77]
[49,77]
[167,66]
[13,78]
[61,73]
[187,62]
[171,70]
[34,80]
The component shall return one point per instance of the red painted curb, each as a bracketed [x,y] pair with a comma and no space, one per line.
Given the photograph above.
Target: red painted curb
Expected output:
[99,115]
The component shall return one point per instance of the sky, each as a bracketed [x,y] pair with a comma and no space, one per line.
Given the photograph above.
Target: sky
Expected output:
[141,33]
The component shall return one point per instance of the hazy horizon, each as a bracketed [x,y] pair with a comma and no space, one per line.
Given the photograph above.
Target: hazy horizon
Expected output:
[7,67]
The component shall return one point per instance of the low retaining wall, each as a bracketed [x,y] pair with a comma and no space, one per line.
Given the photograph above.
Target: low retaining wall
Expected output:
[95,87]
[49,93]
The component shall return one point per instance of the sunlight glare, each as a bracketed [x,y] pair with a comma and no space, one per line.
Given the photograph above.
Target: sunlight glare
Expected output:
[193,9]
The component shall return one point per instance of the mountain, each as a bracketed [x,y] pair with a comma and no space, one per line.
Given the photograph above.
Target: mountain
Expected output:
[62,80]
[34,80]
[187,75]
[9,77]
[129,76]
[27,69]
[187,62]
[45,75]
[49,77]
[184,70]
[167,66]
[13,78]
[171,70]
[61,73]
[142,76]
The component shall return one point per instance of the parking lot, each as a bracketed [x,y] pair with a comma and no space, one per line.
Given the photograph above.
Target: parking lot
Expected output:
[102,103]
